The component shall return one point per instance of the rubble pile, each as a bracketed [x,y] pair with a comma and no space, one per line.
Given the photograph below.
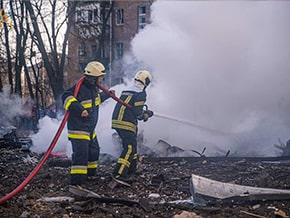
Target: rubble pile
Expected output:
[10,139]
[161,188]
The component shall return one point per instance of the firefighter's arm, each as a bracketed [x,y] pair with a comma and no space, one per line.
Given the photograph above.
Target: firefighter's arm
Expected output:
[138,107]
[70,103]
[105,96]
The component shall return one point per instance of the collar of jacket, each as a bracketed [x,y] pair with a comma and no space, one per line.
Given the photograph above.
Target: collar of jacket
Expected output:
[89,85]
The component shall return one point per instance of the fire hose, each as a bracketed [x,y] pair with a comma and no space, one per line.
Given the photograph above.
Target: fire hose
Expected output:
[215,131]
[112,95]
[59,131]
[46,155]
[165,116]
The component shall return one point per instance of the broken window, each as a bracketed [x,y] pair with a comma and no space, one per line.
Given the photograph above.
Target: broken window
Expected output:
[120,16]
[96,16]
[94,50]
[81,16]
[102,53]
[141,17]
[88,14]
[82,50]
[119,49]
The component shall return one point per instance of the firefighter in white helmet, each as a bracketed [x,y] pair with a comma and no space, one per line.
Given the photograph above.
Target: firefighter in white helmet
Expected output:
[82,121]
[125,122]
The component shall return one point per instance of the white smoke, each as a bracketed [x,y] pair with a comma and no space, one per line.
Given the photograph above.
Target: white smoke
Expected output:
[10,108]
[223,65]
[48,128]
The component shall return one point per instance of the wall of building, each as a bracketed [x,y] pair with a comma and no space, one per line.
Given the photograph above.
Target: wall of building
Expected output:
[123,33]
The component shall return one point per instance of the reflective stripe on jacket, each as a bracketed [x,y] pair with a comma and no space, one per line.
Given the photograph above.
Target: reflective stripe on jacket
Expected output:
[88,98]
[127,118]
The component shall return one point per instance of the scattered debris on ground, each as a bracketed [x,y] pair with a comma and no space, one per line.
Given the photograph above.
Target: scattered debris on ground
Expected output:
[160,188]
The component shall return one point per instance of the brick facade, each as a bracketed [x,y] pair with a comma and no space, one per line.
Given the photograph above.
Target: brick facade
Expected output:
[116,42]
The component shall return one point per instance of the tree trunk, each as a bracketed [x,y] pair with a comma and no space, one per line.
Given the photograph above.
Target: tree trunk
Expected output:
[53,66]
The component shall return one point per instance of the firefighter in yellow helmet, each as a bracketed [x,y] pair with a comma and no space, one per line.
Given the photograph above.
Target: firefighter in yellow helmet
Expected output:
[82,121]
[125,122]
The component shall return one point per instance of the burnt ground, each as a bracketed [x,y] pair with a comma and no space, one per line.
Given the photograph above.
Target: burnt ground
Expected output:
[155,191]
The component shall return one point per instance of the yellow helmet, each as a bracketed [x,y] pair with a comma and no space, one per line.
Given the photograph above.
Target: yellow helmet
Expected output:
[144,76]
[95,68]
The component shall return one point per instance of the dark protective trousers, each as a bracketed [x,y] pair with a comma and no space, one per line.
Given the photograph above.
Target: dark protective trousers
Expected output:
[84,160]
[127,161]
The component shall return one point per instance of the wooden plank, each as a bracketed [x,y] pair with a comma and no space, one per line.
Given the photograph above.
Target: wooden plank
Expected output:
[82,192]
[87,194]
[114,182]
[221,190]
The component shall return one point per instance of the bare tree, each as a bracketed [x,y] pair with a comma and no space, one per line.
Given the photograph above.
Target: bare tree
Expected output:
[42,29]
[21,41]
[8,58]
[21,35]
[105,16]
[53,57]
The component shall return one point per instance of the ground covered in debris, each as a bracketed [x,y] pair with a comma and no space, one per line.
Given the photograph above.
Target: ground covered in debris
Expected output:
[160,189]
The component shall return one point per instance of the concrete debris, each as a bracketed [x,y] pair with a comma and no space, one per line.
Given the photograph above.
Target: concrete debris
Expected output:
[186,214]
[164,149]
[56,199]
[9,139]
[29,160]
[187,201]
[161,188]
[25,214]
[154,195]
[6,130]
[285,149]
[251,214]
[279,213]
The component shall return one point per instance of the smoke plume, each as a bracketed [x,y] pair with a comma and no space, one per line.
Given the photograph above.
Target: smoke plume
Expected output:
[220,65]
[223,65]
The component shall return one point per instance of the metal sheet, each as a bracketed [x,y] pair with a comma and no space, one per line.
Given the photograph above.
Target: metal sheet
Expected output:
[222,190]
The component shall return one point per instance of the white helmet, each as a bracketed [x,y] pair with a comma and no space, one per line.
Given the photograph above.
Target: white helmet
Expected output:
[143,76]
[95,68]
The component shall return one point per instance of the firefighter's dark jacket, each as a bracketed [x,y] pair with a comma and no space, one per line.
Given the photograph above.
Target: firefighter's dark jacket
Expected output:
[127,118]
[87,98]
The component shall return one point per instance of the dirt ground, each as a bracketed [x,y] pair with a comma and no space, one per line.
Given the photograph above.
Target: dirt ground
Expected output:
[160,188]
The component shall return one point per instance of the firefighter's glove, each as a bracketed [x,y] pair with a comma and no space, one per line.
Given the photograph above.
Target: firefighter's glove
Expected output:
[147,114]
[150,113]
